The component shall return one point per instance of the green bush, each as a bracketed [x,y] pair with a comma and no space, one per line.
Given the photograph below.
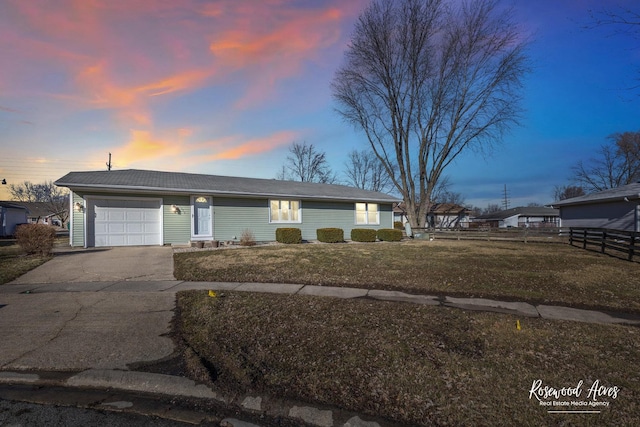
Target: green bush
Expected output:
[363,235]
[288,235]
[389,235]
[330,235]
[36,238]
[398,225]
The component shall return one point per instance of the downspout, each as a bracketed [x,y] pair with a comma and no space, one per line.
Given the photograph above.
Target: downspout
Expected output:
[70,223]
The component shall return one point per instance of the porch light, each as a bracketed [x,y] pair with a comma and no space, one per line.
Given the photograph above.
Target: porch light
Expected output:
[78,207]
[175,209]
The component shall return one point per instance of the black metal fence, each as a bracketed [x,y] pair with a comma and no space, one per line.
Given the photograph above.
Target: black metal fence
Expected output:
[604,238]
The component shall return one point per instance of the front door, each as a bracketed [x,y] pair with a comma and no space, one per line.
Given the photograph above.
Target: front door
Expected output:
[202,224]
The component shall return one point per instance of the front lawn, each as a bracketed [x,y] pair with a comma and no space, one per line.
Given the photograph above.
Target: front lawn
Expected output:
[412,364]
[13,262]
[535,272]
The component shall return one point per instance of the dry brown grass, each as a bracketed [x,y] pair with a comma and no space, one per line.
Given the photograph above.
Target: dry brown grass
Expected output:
[540,273]
[14,262]
[412,364]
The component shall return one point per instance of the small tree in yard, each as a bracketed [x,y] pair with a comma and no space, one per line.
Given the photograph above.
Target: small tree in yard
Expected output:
[427,80]
[36,238]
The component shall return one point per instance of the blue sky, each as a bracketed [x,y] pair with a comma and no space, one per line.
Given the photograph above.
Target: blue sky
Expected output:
[224,87]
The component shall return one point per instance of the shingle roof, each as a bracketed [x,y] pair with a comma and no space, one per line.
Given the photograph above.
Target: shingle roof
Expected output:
[448,208]
[177,182]
[37,209]
[11,205]
[521,211]
[630,191]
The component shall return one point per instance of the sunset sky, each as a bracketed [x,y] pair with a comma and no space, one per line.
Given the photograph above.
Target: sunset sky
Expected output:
[224,87]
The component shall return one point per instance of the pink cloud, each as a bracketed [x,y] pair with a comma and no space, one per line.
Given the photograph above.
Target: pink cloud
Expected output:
[126,58]
[254,146]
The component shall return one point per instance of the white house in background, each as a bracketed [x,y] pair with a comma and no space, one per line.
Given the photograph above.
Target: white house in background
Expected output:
[400,213]
[448,215]
[10,216]
[534,217]
[616,208]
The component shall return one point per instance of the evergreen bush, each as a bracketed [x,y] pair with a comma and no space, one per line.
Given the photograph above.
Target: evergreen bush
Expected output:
[363,235]
[389,235]
[289,235]
[330,235]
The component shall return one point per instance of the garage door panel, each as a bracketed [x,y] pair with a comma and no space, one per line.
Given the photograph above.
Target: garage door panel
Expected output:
[135,227]
[120,222]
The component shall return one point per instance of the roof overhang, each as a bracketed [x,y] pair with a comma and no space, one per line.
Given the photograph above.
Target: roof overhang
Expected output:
[133,189]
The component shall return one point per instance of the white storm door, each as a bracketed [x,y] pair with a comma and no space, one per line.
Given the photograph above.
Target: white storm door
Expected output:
[202,218]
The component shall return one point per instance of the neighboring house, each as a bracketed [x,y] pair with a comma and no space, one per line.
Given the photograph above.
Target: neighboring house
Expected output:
[10,216]
[41,213]
[534,217]
[440,215]
[400,213]
[616,208]
[448,215]
[139,207]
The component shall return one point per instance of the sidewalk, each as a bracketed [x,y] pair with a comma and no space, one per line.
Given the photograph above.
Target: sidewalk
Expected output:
[95,330]
[476,304]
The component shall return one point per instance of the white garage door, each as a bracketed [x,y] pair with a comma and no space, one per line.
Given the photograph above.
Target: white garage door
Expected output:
[126,222]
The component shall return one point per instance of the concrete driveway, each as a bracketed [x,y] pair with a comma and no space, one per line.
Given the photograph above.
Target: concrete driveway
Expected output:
[57,318]
[140,263]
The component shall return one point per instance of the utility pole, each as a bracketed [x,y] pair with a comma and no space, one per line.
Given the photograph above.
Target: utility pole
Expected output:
[109,164]
[505,201]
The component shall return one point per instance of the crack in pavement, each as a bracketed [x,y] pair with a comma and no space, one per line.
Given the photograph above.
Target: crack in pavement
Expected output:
[57,333]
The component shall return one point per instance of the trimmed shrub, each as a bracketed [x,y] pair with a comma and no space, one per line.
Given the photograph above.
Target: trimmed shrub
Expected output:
[330,235]
[289,235]
[363,235]
[247,238]
[389,235]
[36,238]
[398,225]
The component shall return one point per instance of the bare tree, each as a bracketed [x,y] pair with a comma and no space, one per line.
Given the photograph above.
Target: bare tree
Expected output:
[46,192]
[617,163]
[567,192]
[491,208]
[623,20]
[306,164]
[364,170]
[450,197]
[426,80]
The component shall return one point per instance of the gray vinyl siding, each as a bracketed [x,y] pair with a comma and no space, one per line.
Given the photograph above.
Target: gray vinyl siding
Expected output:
[76,235]
[233,215]
[177,225]
[617,216]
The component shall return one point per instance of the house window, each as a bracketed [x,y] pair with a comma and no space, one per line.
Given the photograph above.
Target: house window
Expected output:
[367,213]
[284,211]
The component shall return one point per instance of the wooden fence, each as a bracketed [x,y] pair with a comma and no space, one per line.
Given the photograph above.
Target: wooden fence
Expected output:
[493,234]
[605,238]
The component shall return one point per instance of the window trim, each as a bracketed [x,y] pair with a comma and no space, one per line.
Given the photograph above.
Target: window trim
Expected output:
[366,211]
[298,221]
